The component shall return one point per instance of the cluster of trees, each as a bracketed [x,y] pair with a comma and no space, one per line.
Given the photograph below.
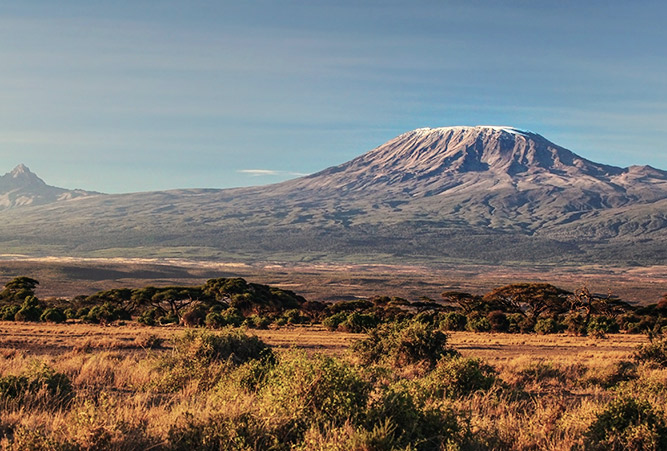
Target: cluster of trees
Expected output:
[514,308]
[218,302]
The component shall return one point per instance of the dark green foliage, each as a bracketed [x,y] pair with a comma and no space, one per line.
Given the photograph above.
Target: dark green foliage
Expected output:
[546,326]
[498,321]
[295,316]
[456,377]
[519,323]
[654,353]
[30,310]
[404,343]
[230,345]
[533,298]
[106,313]
[477,323]
[251,297]
[415,426]
[18,289]
[202,356]
[576,324]
[195,316]
[221,432]
[332,322]
[453,321]
[39,382]
[229,317]
[627,424]
[149,317]
[53,315]
[358,322]
[214,321]
[351,306]
[258,321]
[8,312]
[307,391]
[600,325]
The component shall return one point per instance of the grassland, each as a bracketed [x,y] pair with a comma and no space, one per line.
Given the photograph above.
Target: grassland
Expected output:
[129,390]
[57,339]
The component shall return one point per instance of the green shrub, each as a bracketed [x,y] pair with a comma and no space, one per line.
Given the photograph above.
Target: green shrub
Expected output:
[454,321]
[8,312]
[230,345]
[576,324]
[70,313]
[30,310]
[601,325]
[654,353]
[149,317]
[458,376]
[53,315]
[477,323]
[332,322]
[403,343]
[214,320]
[302,391]
[232,317]
[221,432]
[169,318]
[106,313]
[358,322]
[294,316]
[259,321]
[498,321]
[39,382]
[627,424]
[205,357]
[546,326]
[520,323]
[416,425]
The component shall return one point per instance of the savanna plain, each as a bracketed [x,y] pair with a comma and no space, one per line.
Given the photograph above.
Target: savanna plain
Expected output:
[260,368]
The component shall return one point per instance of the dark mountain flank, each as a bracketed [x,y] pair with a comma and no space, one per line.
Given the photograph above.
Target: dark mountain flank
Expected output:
[477,194]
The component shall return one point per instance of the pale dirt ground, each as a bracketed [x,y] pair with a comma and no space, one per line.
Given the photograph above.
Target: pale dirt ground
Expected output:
[68,277]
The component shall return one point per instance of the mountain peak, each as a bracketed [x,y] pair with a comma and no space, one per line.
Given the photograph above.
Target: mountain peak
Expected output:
[22,187]
[473,129]
[21,176]
[21,171]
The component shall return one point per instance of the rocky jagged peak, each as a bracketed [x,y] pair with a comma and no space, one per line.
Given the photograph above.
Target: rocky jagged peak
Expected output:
[19,177]
[22,187]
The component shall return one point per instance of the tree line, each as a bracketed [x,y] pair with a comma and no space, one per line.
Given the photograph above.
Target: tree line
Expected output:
[220,302]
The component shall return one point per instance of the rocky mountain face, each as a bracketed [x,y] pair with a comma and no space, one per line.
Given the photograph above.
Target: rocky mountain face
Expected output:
[21,187]
[482,194]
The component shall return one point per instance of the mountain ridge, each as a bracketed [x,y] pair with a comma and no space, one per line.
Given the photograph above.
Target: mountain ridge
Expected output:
[484,193]
[21,187]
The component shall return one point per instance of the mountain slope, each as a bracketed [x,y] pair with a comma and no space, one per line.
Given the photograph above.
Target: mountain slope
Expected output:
[483,194]
[21,187]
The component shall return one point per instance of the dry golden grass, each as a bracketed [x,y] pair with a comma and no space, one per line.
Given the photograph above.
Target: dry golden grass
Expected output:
[550,388]
[495,348]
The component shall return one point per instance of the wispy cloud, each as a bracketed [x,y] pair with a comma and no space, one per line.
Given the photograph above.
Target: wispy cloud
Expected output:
[269,173]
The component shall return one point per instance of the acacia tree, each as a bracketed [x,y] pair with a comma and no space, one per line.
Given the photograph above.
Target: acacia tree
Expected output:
[531,299]
[467,302]
[19,289]
[583,300]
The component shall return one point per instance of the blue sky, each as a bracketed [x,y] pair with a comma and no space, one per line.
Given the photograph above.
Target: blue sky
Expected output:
[148,95]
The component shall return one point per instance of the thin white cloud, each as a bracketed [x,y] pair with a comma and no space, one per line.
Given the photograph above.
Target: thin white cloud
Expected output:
[269,172]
